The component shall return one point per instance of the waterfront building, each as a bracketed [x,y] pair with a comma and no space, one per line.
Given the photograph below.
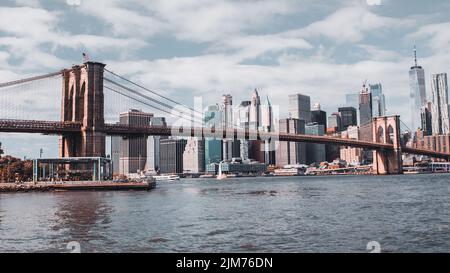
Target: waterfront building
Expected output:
[238,167]
[153,146]
[353,156]
[378,100]
[194,156]
[291,153]
[171,155]
[438,143]
[365,106]
[315,153]
[300,107]
[213,147]
[133,150]
[318,116]
[418,97]
[440,110]
[348,117]
[115,154]
[213,151]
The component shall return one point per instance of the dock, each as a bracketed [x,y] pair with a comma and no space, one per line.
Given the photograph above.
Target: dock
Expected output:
[76,186]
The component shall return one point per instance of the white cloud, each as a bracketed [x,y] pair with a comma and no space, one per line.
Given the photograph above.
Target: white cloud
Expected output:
[437,36]
[198,21]
[252,46]
[351,24]
[35,35]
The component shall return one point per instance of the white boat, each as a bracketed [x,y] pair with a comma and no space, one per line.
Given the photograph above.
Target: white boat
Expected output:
[167,177]
[221,176]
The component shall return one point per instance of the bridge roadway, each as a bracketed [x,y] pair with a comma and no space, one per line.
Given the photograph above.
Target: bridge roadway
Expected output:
[60,128]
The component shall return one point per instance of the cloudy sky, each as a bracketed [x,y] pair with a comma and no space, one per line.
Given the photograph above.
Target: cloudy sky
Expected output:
[206,48]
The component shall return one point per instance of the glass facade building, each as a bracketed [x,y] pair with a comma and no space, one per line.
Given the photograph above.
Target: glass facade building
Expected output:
[440,109]
[315,153]
[300,107]
[378,100]
[365,106]
[348,117]
[418,97]
[213,147]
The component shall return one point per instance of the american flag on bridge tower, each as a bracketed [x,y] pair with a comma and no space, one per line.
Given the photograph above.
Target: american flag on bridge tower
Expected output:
[85,57]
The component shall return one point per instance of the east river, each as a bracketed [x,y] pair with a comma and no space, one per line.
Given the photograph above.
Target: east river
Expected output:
[301,214]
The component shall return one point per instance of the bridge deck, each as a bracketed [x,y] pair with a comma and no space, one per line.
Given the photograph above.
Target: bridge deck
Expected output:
[61,128]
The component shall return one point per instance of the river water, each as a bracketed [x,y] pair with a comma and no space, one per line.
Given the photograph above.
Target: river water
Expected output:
[301,214]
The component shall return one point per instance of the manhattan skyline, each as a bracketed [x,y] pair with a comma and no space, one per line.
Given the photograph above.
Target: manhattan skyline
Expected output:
[266,47]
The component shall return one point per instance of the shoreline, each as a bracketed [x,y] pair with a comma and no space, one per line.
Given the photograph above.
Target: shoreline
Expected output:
[75,186]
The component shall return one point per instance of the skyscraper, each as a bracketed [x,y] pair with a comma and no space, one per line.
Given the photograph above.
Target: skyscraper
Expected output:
[255,112]
[213,147]
[334,123]
[153,146]
[315,153]
[115,153]
[227,123]
[134,150]
[426,119]
[267,126]
[300,107]
[418,97]
[352,100]
[378,100]
[440,112]
[318,116]
[348,117]
[242,121]
[365,106]
[290,153]
[194,156]
[171,155]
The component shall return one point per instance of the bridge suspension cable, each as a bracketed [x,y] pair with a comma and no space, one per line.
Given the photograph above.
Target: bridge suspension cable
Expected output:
[147,97]
[31,79]
[154,92]
[18,98]
[188,110]
[179,115]
[405,126]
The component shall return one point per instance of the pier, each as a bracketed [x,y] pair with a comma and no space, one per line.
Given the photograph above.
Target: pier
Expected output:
[76,186]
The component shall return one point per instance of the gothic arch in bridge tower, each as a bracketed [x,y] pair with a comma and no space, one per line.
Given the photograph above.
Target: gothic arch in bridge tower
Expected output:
[390,135]
[386,130]
[380,135]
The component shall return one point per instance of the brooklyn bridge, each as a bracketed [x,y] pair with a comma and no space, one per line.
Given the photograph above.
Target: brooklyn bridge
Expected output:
[91,96]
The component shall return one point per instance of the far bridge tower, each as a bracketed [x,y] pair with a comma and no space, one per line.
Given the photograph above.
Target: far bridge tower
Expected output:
[387,130]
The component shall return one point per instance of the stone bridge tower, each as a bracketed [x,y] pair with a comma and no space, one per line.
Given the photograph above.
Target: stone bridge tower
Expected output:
[83,102]
[387,130]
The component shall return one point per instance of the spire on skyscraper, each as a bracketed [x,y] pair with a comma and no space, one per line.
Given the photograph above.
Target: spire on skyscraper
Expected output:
[415,55]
